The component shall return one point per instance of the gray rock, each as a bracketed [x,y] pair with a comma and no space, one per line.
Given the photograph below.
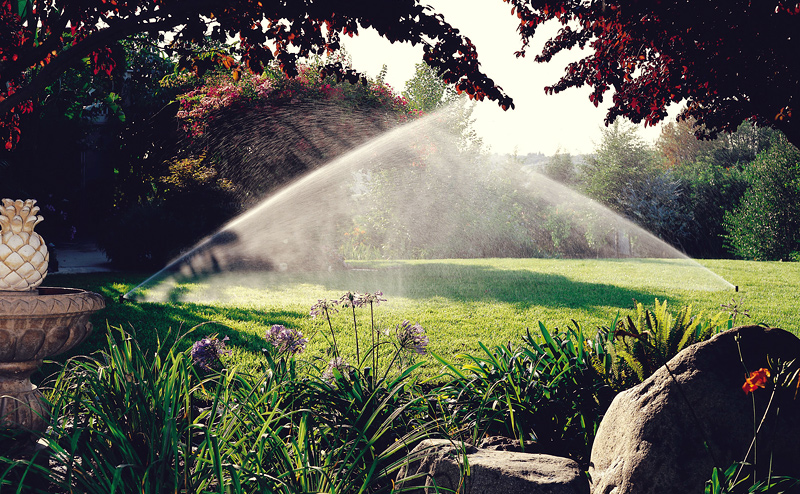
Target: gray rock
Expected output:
[651,440]
[490,471]
[502,443]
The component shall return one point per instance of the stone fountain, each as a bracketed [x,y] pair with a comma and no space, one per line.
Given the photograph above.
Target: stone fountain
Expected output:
[35,322]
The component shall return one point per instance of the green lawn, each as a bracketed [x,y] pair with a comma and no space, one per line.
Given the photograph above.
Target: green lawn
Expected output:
[459,302]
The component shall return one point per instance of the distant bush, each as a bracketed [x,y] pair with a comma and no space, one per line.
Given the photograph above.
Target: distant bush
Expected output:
[709,190]
[765,225]
[147,235]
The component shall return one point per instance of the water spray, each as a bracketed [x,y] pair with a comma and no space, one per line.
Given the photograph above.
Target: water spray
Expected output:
[426,190]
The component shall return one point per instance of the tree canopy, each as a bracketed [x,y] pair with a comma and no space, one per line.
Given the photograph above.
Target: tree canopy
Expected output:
[728,61]
[40,39]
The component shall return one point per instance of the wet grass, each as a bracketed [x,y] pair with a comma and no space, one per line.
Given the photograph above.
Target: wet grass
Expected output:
[459,302]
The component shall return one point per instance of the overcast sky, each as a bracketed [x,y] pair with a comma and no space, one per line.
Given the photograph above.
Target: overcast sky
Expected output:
[540,122]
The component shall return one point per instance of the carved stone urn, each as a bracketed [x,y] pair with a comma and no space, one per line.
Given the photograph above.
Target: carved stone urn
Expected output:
[35,322]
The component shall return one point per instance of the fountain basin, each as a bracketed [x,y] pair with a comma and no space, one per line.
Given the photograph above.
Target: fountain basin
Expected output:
[35,325]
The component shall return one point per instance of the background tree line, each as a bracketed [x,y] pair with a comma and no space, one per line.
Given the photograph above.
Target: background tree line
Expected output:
[734,196]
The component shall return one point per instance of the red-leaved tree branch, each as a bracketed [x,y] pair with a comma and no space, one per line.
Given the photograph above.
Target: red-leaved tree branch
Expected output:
[42,40]
[725,61]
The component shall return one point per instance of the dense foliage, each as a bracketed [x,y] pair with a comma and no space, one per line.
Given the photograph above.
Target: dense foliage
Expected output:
[41,39]
[213,169]
[545,392]
[261,131]
[765,225]
[651,55]
[732,196]
[728,62]
[129,419]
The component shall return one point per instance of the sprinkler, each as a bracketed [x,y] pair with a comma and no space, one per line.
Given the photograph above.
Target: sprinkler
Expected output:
[736,288]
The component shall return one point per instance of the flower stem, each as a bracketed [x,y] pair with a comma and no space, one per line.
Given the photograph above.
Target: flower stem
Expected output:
[374,347]
[753,446]
[355,330]
[333,333]
[391,363]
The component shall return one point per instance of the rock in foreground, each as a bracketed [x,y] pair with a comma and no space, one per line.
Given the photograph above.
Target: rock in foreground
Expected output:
[490,471]
[651,440]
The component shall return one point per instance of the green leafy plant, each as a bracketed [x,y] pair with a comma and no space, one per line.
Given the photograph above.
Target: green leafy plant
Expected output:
[764,225]
[728,482]
[548,392]
[123,421]
[288,433]
[637,346]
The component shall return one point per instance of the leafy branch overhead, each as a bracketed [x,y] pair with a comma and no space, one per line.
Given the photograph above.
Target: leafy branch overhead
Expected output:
[728,61]
[40,39]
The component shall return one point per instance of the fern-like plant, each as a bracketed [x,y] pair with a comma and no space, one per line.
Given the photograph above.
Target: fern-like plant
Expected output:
[638,345]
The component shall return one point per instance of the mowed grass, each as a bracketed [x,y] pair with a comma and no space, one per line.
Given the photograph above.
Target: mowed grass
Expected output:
[459,302]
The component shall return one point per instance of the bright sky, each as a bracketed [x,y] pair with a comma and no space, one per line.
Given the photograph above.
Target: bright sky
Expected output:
[540,122]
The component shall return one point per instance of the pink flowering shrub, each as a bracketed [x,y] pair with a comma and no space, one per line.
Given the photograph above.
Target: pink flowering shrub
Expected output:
[219,92]
[226,90]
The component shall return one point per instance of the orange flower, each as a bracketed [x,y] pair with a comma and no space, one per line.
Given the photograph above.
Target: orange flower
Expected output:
[757,379]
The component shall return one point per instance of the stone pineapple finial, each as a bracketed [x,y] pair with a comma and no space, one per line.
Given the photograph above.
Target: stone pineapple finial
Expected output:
[23,252]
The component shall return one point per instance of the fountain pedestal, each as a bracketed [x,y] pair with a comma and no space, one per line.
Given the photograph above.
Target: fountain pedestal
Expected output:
[36,325]
[35,322]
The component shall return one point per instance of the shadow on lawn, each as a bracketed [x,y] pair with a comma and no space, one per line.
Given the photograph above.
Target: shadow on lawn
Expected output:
[520,287]
[150,323]
[449,280]
[481,283]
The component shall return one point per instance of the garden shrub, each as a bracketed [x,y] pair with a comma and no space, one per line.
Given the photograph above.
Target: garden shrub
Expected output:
[709,189]
[261,131]
[638,346]
[226,142]
[550,393]
[765,226]
[655,205]
[149,234]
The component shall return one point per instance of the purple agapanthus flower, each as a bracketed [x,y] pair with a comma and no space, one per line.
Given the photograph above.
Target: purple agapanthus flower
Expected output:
[324,306]
[372,298]
[207,353]
[350,299]
[286,340]
[412,337]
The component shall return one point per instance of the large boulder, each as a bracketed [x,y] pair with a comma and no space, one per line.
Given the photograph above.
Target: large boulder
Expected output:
[653,436]
[441,465]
